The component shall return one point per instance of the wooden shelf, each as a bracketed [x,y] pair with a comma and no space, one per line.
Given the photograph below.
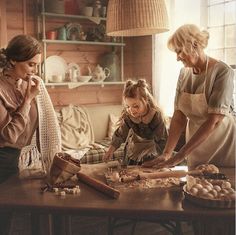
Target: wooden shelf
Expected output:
[94,19]
[72,85]
[83,42]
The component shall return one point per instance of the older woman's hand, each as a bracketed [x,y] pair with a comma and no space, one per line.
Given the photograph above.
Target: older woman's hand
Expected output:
[157,161]
[172,161]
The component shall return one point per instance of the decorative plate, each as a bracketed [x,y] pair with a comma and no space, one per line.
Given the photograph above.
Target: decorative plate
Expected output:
[55,65]
[73,31]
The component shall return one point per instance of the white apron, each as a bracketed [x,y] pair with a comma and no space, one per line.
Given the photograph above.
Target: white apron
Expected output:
[220,146]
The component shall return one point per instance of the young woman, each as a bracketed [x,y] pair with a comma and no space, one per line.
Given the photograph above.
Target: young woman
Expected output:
[141,125]
[28,125]
[203,101]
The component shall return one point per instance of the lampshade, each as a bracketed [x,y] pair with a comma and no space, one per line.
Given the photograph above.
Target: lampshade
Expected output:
[136,17]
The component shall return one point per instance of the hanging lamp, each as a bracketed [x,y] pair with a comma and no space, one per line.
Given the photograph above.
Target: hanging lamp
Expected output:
[136,17]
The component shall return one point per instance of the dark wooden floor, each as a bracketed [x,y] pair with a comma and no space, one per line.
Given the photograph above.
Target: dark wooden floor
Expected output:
[94,226]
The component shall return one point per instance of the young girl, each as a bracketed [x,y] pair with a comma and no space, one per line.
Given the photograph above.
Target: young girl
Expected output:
[141,125]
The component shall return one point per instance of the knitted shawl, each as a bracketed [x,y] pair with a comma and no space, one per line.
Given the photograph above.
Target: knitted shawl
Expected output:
[49,136]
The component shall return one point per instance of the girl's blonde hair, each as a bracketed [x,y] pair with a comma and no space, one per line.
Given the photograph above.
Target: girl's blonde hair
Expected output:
[139,89]
[188,38]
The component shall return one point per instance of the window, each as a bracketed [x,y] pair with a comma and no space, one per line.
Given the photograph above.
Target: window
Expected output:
[218,16]
[222,29]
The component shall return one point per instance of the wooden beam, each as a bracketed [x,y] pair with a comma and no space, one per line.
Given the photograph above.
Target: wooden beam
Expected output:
[3,24]
[24,17]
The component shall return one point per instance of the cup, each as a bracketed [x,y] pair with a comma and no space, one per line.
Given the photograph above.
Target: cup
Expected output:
[52,35]
[87,11]
[56,78]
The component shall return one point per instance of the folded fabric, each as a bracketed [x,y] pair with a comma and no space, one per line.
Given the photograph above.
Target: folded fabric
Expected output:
[76,128]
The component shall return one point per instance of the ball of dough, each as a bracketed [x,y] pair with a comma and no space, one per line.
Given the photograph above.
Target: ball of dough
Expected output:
[208,168]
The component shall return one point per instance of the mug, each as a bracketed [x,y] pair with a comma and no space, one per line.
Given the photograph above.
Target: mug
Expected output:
[88,11]
[56,78]
[52,35]
[62,33]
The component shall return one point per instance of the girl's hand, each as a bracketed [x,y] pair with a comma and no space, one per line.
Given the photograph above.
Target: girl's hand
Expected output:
[32,89]
[157,161]
[108,155]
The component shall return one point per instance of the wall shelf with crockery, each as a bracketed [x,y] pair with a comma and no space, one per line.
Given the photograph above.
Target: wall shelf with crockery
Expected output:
[82,29]
[72,85]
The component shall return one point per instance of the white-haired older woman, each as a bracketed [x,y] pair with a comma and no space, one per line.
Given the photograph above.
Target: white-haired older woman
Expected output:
[203,103]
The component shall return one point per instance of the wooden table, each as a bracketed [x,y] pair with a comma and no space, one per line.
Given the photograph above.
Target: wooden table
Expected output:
[137,204]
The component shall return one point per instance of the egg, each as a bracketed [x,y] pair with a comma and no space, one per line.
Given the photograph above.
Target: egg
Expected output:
[214,193]
[224,191]
[194,191]
[217,188]
[208,187]
[230,190]
[198,186]
[226,184]
[202,191]
[209,195]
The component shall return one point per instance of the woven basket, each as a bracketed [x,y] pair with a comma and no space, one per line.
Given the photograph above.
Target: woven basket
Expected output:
[63,168]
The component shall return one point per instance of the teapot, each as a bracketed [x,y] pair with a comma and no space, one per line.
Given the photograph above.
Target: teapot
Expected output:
[99,74]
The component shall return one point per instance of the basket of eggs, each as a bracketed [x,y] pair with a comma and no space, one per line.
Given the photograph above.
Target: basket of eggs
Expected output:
[215,192]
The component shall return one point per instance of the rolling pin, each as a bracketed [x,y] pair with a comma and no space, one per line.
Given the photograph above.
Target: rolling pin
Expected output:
[156,175]
[98,185]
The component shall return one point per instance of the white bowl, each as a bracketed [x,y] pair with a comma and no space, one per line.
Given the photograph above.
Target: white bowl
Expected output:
[84,78]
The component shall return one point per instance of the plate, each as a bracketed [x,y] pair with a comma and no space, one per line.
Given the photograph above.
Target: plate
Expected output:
[55,65]
[213,203]
[73,31]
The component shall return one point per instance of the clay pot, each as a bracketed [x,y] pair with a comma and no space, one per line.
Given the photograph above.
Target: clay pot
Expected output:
[63,168]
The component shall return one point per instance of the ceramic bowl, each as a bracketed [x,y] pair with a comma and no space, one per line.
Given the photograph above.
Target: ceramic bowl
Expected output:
[84,78]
